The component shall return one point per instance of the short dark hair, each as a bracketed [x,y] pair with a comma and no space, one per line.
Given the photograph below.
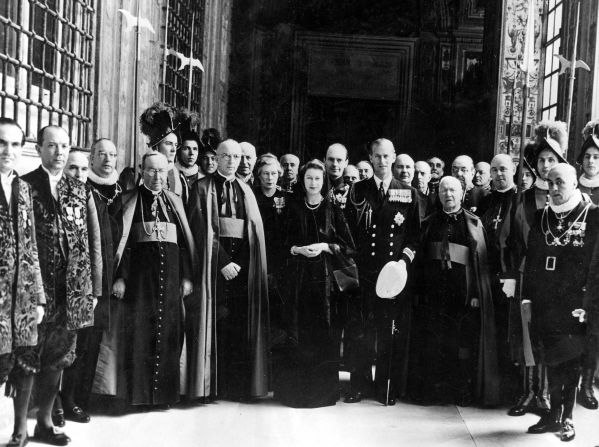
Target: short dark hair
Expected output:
[40,133]
[11,122]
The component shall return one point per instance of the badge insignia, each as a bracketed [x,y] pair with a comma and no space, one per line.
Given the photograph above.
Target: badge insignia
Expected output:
[399,219]
[279,203]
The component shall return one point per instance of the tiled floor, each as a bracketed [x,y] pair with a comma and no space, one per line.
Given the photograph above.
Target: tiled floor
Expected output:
[268,424]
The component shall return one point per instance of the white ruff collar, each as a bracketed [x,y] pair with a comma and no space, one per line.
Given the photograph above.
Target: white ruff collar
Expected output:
[589,183]
[187,172]
[569,205]
[110,180]
[542,184]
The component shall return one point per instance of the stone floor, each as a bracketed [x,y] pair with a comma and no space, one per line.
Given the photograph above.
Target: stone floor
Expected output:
[268,424]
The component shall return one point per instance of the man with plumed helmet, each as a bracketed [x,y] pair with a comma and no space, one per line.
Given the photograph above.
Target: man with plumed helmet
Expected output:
[555,292]
[188,154]
[545,152]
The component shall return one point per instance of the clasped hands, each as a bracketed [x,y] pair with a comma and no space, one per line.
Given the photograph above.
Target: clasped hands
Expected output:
[312,250]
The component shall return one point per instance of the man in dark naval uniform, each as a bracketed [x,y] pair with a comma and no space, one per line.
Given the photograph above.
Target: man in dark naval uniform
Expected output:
[388,225]
[68,239]
[155,256]
[228,329]
[458,362]
[556,285]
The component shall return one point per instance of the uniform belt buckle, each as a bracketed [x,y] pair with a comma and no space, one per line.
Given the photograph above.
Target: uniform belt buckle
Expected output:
[550,263]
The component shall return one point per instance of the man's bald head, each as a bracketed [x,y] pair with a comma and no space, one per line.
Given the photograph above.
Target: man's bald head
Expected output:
[462,168]
[290,165]
[482,173]
[403,168]
[228,153]
[562,183]
[336,160]
[248,159]
[350,175]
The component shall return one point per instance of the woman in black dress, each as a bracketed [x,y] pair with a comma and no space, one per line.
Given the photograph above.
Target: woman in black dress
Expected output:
[307,372]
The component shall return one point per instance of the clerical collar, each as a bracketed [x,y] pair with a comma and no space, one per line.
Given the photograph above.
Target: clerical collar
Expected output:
[154,193]
[453,213]
[187,172]
[568,205]
[589,183]
[504,190]
[542,184]
[227,178]
[110,180]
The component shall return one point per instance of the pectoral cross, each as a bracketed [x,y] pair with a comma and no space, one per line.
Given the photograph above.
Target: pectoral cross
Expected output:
[496,222]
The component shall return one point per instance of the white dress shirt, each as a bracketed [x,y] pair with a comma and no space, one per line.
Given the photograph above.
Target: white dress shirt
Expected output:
[386,182]
[54,179]
[6,180]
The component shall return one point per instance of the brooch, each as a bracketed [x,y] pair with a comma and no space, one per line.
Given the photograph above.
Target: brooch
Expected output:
[399,219]
[279,204]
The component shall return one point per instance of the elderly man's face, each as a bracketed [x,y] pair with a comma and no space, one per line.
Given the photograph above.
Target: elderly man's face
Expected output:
[54,150]
[403,169]
[481,174]
[77,166]
[350,175]
[562,185]
[364,170]
[155,172]
[437,166]
[463,170]
[248,160]
[229,157]
[422,175]
[290,166]
[450,195]
[103,161]
[168,147]
[590,162]
[11,148]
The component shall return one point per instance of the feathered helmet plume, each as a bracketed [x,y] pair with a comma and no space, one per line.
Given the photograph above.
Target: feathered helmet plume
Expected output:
[211,139]
[549,135]
[160,120]
[189,127]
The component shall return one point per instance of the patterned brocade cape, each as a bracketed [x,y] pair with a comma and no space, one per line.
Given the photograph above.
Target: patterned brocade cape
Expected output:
[19,262]
[76,216]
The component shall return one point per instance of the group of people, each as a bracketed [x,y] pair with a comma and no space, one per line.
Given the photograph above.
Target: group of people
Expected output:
[212,273]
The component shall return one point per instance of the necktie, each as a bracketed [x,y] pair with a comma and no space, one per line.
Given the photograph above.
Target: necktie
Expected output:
[381,192]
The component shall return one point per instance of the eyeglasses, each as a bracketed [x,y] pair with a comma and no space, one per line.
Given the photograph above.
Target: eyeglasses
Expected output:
[231,156]
[155,172]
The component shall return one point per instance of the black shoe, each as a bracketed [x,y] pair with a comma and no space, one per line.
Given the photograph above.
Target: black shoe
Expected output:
[586,397]
[526,404]
[388,402]
[547,424]
[76,414]
[50,436]
[353,397]
[58,418]
[18,440]
[567,433]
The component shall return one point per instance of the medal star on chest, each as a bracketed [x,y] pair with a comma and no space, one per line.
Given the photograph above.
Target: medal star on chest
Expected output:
[399,218]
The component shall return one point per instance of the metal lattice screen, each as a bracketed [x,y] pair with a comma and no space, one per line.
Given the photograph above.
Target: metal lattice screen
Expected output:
[46,65]
[182,16]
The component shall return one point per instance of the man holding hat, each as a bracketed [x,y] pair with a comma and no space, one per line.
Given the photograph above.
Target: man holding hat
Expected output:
[458,360]
[388,228]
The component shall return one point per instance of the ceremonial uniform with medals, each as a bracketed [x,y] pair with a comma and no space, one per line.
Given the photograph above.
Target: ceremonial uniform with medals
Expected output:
[69,248]
[556,276]
[154,253]
[387,229]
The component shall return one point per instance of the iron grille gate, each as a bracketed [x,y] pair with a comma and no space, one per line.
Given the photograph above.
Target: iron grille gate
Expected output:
[181,15]
[46,65]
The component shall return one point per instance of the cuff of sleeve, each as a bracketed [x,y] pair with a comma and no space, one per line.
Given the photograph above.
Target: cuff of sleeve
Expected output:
[408,255]
[526,301]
